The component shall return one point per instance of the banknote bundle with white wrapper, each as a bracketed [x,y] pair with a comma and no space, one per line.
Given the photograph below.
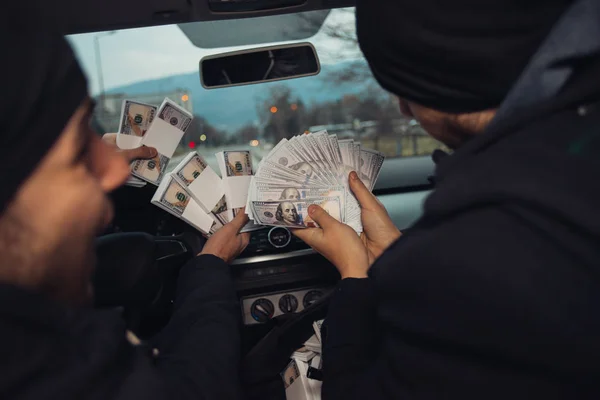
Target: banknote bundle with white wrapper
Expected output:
[164,133]
[310,169]
[135,120]
[302,378]
[173,197]
[236,171]
[203,185]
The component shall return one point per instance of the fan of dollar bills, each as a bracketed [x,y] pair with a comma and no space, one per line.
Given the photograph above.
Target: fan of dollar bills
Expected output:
[304,170]
[310,169]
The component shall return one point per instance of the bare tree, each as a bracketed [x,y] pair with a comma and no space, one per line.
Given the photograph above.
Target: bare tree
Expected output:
[281,114]
[341,28]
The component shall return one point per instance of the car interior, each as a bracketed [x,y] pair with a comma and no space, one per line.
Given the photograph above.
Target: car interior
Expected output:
[149,50]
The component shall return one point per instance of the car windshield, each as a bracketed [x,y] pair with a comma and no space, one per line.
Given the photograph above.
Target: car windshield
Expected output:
[149,64]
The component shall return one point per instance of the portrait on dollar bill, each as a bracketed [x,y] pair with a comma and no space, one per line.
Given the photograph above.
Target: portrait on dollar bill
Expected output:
[304,168]
[137,118]
[238,163]
[151,170]
[175,197]
[192,170]
[287,213]
[290,194]
[175,116]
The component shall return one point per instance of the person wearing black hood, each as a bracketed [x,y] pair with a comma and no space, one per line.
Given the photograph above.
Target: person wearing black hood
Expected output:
[56,176]
[494,292]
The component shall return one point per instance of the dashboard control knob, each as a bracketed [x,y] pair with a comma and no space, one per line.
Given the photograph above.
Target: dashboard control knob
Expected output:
[279,237]
[262,310]
[288,303]
[311,297]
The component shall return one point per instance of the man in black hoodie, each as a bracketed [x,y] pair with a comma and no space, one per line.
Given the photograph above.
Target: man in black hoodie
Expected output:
[55,177]
[494,292]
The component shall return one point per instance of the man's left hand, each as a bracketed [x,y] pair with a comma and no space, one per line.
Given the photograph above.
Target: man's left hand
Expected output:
[227,243]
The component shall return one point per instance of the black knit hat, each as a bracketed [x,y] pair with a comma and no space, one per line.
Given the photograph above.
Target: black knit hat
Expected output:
[42,86]
[453,55]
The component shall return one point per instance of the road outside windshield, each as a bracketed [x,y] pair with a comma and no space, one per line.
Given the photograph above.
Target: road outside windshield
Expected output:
[149,64]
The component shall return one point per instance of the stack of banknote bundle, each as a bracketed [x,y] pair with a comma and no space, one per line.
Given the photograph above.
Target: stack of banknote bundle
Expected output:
[194,193]
[302,377]
[310,169]
[159,127]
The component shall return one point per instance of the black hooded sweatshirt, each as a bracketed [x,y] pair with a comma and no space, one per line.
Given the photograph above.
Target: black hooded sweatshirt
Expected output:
[495,291]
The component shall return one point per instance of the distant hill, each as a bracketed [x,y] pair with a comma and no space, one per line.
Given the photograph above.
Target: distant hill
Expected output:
[236,106]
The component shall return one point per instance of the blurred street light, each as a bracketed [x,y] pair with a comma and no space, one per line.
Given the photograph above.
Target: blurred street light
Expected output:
[254,143]
[185,98]
[99,66]
[203,137]
[273,110]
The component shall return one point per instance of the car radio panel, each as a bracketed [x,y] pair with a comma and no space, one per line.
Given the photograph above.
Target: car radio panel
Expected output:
[258,309]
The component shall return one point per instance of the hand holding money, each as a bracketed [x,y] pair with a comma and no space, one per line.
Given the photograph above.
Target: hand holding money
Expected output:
[337,242]
[379,231]
[139,153]
[228,243]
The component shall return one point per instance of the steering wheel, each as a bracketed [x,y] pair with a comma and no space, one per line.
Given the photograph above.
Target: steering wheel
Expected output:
[138,273]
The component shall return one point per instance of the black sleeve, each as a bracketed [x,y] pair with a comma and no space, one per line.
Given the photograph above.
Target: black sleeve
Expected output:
[349,336]
[486,305]
[199,350]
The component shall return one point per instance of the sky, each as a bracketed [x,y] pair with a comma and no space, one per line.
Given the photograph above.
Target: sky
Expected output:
[141,54]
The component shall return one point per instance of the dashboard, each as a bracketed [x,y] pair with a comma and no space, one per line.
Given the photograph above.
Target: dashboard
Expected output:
[403,208]
[277,274]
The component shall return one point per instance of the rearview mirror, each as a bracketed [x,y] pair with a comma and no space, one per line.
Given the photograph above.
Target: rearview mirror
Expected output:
[264,64]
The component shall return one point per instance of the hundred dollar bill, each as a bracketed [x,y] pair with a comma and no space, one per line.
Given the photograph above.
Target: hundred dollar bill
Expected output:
[307,165]
[188,171]
[291,374]
[237,163]
[165,136]
[266,192]
[190,168]
[371,162]
[172,197]
[317,328]
[151,170]
[347,152]
[136,118]
[293,214]
[284,157]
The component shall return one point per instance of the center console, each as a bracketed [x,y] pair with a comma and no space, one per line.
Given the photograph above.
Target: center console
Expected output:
[279,274]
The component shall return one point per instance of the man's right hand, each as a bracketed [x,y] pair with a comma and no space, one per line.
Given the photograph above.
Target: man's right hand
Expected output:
[379,232]
[139,153]
[228,243]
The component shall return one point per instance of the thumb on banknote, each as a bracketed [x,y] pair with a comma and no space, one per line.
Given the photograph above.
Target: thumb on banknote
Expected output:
[337,242]
[142,152]
[321,217]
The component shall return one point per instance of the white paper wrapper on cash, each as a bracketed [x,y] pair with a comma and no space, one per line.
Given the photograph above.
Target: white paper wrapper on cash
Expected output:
[164,134]
[172,197]
[236,171]
[135,120]
[203,184]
